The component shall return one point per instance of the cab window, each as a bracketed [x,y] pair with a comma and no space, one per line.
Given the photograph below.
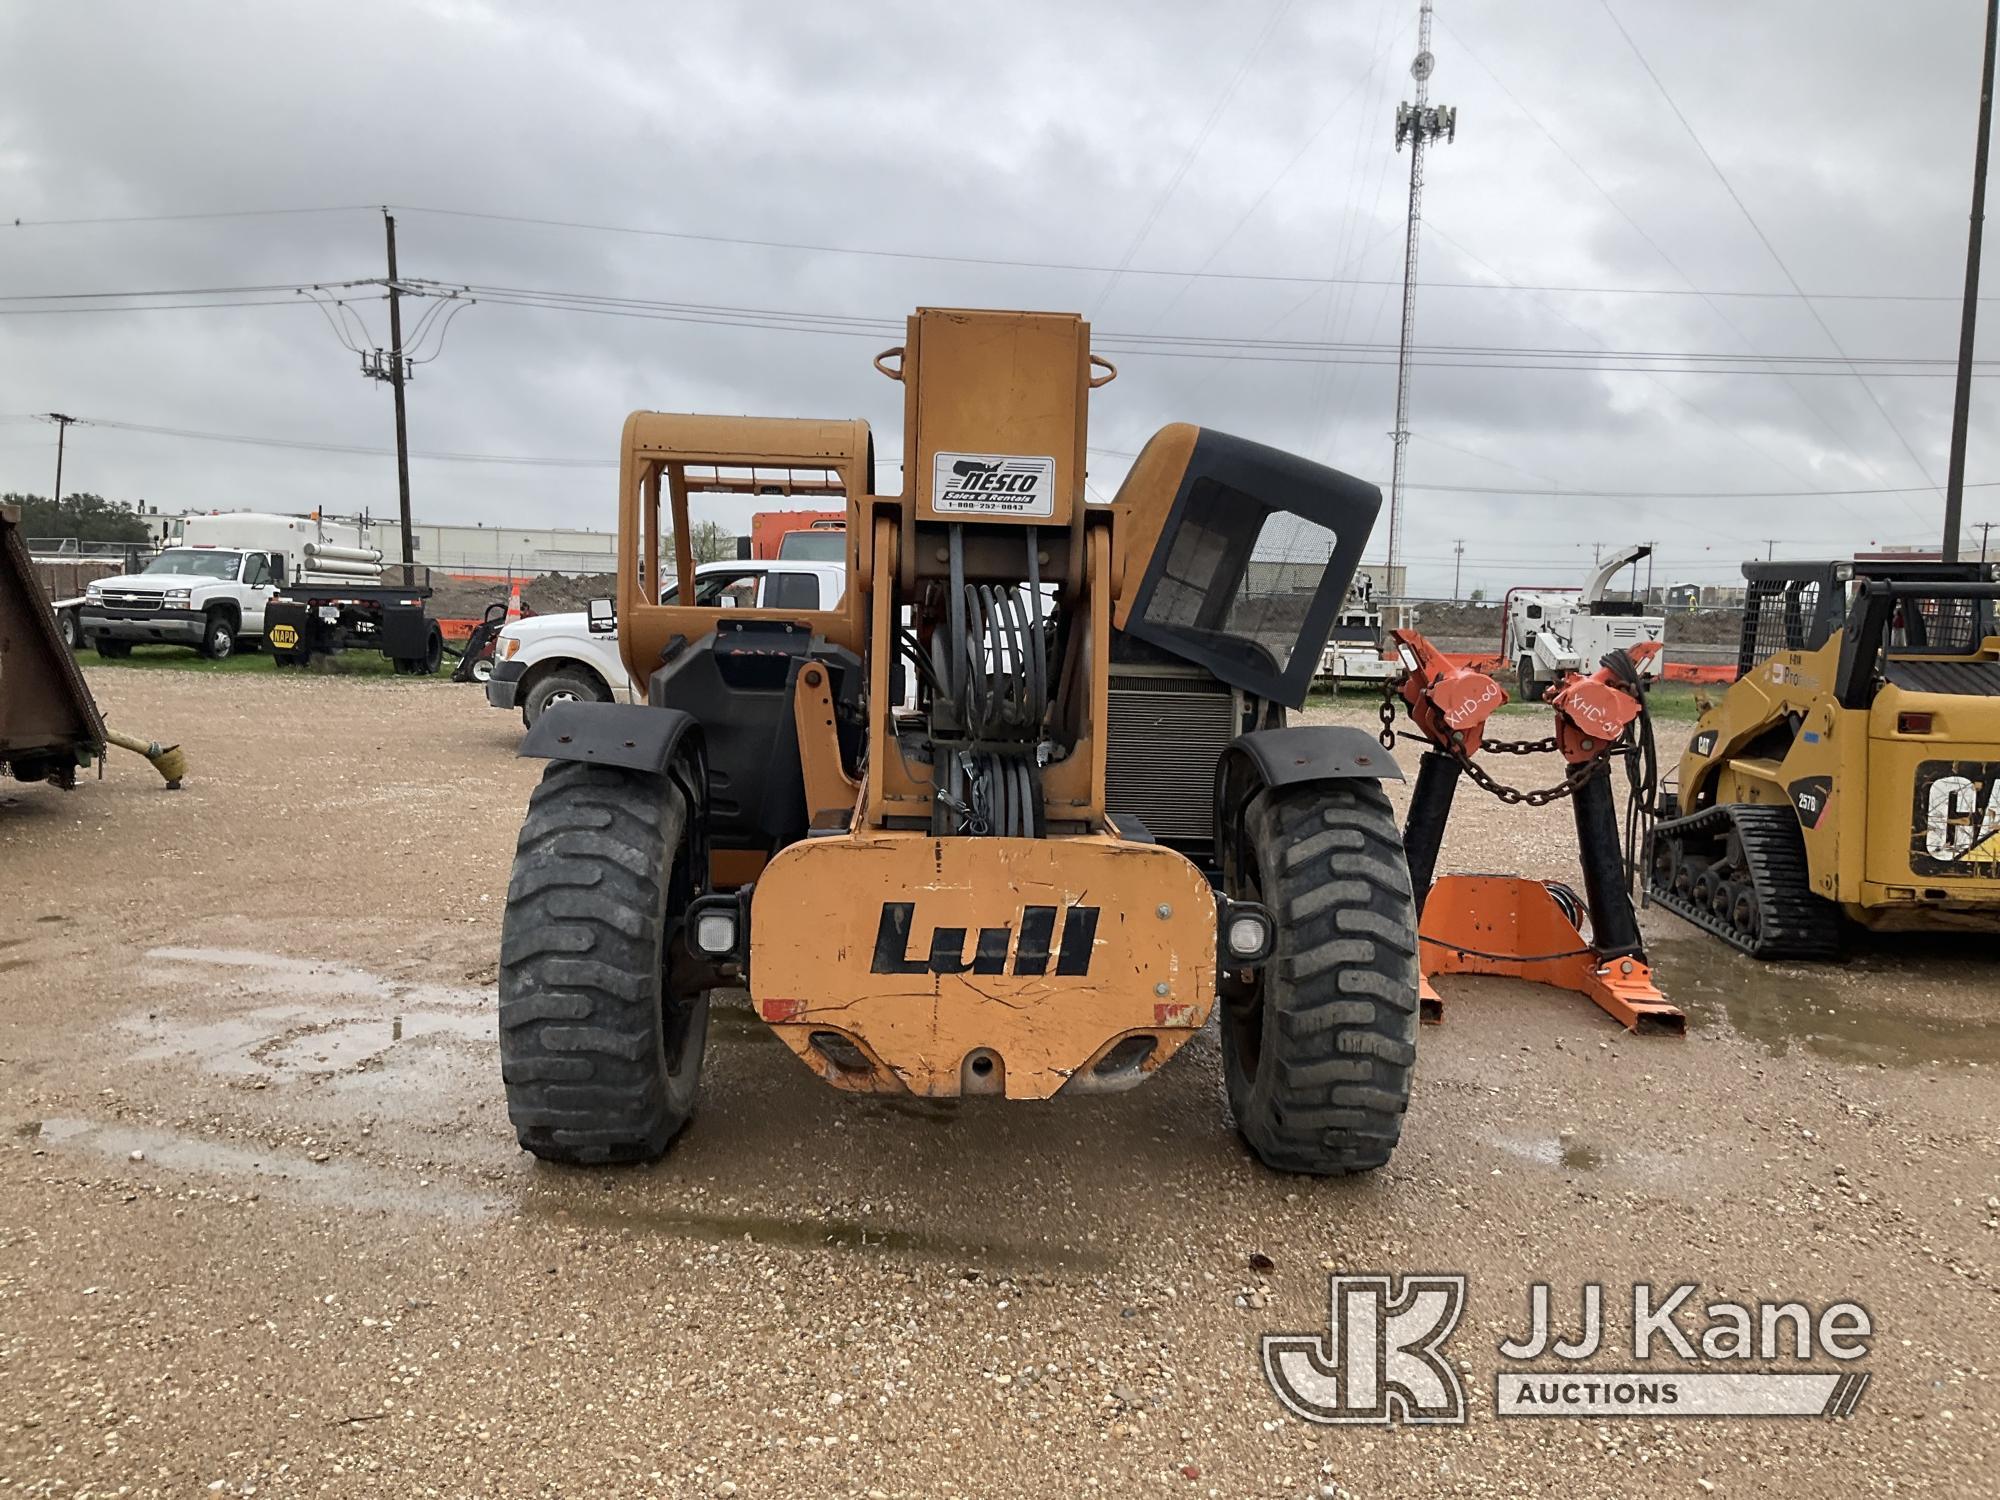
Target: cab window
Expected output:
[256,569]
[792,591]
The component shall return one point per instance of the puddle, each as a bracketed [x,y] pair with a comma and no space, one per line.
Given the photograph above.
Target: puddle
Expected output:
[291,1177]
[355,1019]
[912,1107]
[736,1023]
[303,978]
[806,1233]
[1844,1013]
[1564,1151]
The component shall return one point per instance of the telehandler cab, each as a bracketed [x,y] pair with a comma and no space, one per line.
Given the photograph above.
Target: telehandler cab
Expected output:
[1092,830]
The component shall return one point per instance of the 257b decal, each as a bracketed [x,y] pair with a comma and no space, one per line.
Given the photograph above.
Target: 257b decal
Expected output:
[1955,823]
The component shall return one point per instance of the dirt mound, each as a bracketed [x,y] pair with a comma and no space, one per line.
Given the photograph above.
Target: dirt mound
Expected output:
[553,593]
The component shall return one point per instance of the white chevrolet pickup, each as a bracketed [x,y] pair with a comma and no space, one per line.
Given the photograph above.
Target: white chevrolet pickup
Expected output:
[557,658]
[205,597]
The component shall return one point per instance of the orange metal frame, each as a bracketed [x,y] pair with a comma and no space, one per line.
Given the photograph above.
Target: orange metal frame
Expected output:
[1512,927]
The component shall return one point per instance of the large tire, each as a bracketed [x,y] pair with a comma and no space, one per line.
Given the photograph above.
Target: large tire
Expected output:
[601,1062]
[218,637]
[1524,680]
[1318,1053]
[564,685]
[69,625]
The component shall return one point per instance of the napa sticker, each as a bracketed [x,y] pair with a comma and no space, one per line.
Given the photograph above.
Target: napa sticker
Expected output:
[1956,821]
[993,484]
[284,637]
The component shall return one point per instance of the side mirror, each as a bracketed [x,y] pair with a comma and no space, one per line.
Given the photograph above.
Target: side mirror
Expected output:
[277,568]
[603,616]
[726,601]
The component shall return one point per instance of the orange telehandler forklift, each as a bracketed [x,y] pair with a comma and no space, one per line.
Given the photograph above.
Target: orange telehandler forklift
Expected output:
[1092,830]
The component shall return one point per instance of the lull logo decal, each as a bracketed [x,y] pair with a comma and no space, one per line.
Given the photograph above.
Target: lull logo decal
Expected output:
[1810,796]
[989,953]
[993,484]
[1955,823]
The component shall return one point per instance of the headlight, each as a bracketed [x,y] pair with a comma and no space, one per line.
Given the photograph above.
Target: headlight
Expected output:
[93,591]
[509,645]
[179,596]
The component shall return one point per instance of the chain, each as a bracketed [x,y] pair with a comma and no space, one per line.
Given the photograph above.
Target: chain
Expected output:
[1574,778]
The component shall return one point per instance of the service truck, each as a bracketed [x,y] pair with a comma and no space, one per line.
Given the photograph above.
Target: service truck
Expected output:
[1548,631]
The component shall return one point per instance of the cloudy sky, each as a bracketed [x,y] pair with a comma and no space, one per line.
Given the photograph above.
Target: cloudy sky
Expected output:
[1612,258]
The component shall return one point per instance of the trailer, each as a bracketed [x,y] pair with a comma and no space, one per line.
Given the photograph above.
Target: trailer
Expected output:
[49,723]
[385,609]
[1353,651]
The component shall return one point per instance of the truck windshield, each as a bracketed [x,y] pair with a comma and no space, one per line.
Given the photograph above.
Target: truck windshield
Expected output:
[192,563]
[822,544]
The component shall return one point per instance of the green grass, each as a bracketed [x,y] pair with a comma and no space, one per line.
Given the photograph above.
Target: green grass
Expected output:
[182,659]
[1673,701]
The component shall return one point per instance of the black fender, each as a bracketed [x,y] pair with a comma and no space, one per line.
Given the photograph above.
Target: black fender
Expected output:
[1267,758]
[664,741]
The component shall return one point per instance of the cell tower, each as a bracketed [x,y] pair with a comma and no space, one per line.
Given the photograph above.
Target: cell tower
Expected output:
[1419,124]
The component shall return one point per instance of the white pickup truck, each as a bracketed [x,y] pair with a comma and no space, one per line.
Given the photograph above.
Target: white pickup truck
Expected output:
[210,591]
[558,658]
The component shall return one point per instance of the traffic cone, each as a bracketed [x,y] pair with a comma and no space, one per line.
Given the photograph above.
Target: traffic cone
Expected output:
[514,604]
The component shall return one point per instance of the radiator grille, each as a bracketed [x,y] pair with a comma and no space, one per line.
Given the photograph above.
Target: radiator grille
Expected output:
[1166,735]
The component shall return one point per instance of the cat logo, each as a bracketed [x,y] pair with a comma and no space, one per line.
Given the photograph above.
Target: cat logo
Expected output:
[284,637]
[989,953]
[1704,743]
[1956,819]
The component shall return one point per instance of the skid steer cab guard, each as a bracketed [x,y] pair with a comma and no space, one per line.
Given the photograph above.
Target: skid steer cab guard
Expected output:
[918,827]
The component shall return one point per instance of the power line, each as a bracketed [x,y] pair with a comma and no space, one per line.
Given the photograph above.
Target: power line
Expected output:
[1088,268]
[1194,150]
[220,213]
[1758,229]
[1567,492]
[1184,345]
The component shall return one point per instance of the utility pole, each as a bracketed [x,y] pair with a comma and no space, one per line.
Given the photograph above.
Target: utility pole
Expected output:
[1984,528]
[1649,573]
[397,374]
[1954,489]
[1457,566]
[62,431]
[1419,124]
[1770,545]
[1596,553]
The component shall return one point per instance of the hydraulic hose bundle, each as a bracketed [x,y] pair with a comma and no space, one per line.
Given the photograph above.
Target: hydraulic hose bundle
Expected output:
[989,676]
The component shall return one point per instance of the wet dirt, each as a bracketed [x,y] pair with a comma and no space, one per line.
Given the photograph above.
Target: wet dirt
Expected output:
[329,1218]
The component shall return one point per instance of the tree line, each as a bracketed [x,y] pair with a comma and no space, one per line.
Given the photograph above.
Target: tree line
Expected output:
[88,518]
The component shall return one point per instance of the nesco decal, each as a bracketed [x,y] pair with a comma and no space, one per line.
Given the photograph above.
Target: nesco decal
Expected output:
[995,484]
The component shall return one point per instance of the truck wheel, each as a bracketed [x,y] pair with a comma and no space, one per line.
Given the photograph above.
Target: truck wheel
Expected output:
[482,669]
[112,650]
[560,686]
[218,640]
[1317,1053]
[433,657]
[70,627]
[1524,679]
[601,1059]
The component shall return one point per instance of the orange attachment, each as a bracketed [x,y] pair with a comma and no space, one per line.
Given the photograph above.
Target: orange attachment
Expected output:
[1517,929]
[1448,702]
[1593,712]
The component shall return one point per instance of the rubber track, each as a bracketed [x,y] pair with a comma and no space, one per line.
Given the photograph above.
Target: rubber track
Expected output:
[581,974]
[1794,922]
[1340,993]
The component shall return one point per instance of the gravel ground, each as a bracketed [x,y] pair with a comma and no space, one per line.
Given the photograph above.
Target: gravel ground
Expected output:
[264,1229]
